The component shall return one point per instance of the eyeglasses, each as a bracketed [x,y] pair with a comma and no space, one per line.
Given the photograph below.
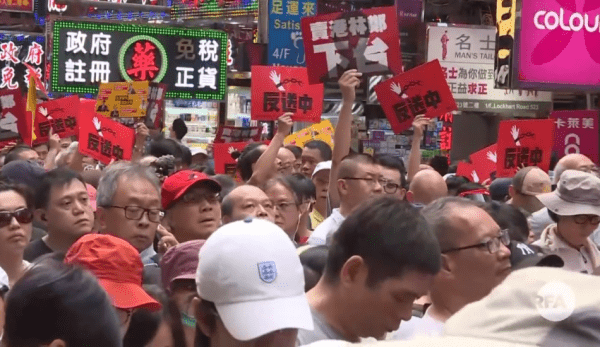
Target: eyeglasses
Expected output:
[285,206]
[370,181]
[492,245]
[22,215]
[583,218]
[389,187]
[194,197]
[136,213]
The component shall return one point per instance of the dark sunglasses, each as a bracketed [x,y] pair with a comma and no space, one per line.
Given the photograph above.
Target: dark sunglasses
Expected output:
[23,216]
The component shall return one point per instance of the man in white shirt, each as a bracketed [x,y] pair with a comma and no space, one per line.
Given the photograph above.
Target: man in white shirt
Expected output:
[475,259]
[358,180]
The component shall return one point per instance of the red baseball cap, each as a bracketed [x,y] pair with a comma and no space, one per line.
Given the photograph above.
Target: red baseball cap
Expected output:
[178,183]
[118,267]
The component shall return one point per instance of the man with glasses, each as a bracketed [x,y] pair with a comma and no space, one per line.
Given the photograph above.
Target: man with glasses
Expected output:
[191,202]
[247,201]
[393,173]
[129,206]
[475,259]
[574,207]
[358,180]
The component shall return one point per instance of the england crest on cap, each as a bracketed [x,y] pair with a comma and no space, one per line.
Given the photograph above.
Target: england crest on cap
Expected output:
[267,271]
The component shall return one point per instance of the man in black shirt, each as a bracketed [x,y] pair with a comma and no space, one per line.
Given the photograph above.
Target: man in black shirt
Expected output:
[63,206]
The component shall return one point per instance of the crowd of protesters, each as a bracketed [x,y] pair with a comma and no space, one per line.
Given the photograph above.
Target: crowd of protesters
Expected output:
[316,246]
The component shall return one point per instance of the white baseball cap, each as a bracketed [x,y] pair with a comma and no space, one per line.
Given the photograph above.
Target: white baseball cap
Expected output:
[250,270]
[324,165]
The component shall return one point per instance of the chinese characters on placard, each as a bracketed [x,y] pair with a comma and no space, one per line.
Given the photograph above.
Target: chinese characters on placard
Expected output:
[100,70]
[517,157]
[208,51]
[105,147]
[286,102]
[410,107]
[370,57]
[58,125]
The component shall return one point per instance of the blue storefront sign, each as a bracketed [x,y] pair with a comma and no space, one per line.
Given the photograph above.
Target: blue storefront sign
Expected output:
[285,36]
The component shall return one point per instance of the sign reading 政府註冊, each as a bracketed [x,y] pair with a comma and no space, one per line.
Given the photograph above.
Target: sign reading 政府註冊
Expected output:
[467,55]
[191,62]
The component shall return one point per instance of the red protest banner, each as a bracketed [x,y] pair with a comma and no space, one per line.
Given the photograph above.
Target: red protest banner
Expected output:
[366,40]
[228,134]
[469,171]
[277,90]
[422,90]
[524,143]
[105,139]
[224,162]
[576,132]
[14,121]
[60,114]
[485,161]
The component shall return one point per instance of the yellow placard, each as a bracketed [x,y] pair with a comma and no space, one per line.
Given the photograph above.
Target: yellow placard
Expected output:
[322,131]
[123,99]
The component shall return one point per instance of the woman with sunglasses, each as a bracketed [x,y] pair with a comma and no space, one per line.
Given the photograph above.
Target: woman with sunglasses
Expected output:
[16,204]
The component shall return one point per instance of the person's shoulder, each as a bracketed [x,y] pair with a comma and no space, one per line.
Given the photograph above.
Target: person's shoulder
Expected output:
[35,250]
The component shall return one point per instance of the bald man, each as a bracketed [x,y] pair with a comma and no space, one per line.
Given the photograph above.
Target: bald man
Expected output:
[540,219]
[247,201]
[572,162]
[426,186]
[285,161]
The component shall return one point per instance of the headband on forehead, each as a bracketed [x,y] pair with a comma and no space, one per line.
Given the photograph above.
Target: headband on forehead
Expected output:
[474,192]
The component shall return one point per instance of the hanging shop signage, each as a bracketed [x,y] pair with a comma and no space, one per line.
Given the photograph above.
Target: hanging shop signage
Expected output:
[422,90]
[16,50]
[576,132]
[155,114]
[523,143]
[446,131]
[411,31]
[467,55]
[505,42]
[366,40]
[277,90]
[285,37]
[191,62]
[558,44]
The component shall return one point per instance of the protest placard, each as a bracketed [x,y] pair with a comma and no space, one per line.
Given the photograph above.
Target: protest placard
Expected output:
[104,139]
[422,90]
[60,115]
[277,90]
[322,131]
[523,143]
[367,40]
